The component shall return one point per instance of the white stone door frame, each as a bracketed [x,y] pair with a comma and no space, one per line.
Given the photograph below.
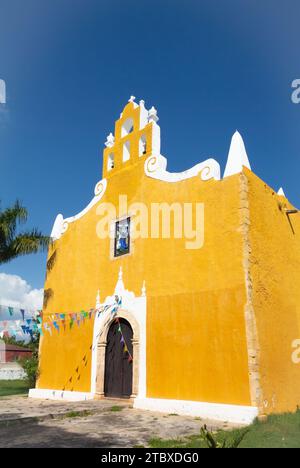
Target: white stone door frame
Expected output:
[133,309]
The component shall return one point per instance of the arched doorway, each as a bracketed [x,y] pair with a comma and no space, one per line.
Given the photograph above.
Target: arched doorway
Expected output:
[118,362]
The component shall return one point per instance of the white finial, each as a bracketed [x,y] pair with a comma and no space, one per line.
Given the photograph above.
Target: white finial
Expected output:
[152,115]
[132,98]
[110,141]
[142,103]
[281,192]
[237,156]
[120,288]
[144,289]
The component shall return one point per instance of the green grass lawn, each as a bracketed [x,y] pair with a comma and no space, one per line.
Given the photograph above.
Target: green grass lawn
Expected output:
[13,387]
[278,431]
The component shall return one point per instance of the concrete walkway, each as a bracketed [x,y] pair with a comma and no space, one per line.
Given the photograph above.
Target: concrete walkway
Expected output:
[104,423]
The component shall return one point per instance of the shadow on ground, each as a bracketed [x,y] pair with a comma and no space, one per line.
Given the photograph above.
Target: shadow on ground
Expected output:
[40,436]
[75,433]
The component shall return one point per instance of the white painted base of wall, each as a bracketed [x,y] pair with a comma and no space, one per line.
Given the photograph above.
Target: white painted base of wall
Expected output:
[45,394]
[219,412]
[215,411]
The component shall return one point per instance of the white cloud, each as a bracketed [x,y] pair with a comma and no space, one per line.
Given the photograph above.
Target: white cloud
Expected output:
[16,292]
[2,92]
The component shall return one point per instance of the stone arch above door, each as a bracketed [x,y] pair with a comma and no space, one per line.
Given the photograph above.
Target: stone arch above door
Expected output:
[101,350]
[133,309]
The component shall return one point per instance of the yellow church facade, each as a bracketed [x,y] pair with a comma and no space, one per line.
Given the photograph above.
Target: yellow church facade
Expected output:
[192,283]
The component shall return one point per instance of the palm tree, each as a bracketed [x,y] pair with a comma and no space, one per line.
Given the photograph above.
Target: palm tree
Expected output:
[13,244]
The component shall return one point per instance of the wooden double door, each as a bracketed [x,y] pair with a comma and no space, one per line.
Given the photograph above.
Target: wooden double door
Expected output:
[118,365]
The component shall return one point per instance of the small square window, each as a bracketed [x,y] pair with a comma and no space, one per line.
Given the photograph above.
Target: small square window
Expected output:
[122,237]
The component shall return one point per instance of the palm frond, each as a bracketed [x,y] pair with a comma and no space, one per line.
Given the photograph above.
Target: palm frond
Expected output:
[10,217]
[29,242]
[13,244]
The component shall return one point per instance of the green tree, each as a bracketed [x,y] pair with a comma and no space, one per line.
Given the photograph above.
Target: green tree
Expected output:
[31,364]
[14,244]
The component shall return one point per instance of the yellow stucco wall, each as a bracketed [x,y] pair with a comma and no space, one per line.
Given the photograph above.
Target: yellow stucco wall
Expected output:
[275,272]
[215,315]
[65,358]
[196,345]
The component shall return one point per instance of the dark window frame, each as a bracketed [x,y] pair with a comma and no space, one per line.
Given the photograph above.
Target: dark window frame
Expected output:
[117,252]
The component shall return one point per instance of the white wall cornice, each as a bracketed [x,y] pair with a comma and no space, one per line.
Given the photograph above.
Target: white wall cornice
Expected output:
[156,167]
[61,225]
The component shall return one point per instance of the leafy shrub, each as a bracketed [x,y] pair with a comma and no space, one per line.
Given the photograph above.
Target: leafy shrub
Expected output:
[30,366]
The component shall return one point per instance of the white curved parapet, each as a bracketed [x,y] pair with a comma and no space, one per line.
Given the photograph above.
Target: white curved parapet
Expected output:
[57,227]
[61,225]
[155,167]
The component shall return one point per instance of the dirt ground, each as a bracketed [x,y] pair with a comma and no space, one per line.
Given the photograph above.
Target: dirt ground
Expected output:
[27,422]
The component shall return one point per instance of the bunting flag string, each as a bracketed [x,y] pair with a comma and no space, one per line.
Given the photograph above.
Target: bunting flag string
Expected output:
[46,323]
[123,341]
[11,318]
[53,321]
[11,311]
[98,336]
[113,309]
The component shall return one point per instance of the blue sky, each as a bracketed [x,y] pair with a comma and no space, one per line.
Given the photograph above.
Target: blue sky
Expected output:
[209,67]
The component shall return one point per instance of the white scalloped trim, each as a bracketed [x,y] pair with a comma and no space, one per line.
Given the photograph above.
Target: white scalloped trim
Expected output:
[61,225]
[155,167]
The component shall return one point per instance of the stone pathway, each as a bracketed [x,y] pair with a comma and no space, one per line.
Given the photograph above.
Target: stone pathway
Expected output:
[43,423]
[22,408]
